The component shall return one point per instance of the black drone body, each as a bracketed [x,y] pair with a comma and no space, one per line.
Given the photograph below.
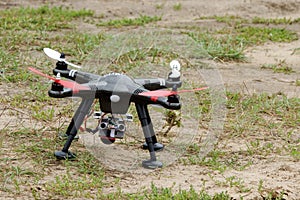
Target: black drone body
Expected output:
[115,93]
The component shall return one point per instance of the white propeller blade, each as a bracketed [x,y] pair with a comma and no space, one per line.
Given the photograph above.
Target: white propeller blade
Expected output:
[52,54]
[73,65]
[56,56]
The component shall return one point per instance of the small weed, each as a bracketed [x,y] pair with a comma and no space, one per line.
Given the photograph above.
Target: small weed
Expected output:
[159,6]
[280,67]
[173,118]
[14,175]
[177,7]
[234,181]
[140,21]
[212,160]
[296,51]
[297,82]
[295,152]
[45,115]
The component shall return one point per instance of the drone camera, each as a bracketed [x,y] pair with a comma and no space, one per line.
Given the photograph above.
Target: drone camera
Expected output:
[111,128]
[121,127]
[103,125]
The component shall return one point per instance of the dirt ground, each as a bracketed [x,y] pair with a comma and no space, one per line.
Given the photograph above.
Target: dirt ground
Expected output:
[278,173]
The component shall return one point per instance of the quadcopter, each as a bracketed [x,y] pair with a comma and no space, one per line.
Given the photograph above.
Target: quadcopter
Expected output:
[115,92]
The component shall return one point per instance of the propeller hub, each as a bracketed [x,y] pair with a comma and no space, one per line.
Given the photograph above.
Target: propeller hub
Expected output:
[62,56]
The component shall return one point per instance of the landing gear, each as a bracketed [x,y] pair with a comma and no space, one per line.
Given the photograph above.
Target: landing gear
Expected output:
[73,128]
[60,155]
[151,142]
[150,137]
[157,146]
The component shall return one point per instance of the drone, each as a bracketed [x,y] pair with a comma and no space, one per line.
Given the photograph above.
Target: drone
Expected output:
[115,92]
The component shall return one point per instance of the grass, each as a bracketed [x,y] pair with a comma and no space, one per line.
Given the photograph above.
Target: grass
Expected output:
[131,61]
[260,35]
[43,18]
[139,21]
[234,20]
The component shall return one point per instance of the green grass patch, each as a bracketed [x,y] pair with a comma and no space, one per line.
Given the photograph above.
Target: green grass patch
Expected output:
[228,44]
[250,117]
[42,18]
[77,187]
[231,20]
[132,60]
[280,67]
[259,35]
[167,193]
[276,21]
[276,106]
[139,21]
[75,45]
[225,48]
[87,183]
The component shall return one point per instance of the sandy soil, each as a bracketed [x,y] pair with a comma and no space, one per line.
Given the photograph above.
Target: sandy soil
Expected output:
[278,173]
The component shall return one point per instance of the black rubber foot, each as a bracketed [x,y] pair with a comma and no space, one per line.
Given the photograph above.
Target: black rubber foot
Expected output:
[60,155]
[152,164]
[64,136]
[157,146]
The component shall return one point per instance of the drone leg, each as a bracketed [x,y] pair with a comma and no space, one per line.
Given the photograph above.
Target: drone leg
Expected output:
[73,128]
[71,125]
[149,134]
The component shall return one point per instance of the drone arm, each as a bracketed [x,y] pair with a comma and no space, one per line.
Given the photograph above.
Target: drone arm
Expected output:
[151,83]
[166,102]
[78,76]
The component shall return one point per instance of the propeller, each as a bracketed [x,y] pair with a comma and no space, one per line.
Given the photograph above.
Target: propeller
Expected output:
[58,56]
[68,84]
[165,93]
